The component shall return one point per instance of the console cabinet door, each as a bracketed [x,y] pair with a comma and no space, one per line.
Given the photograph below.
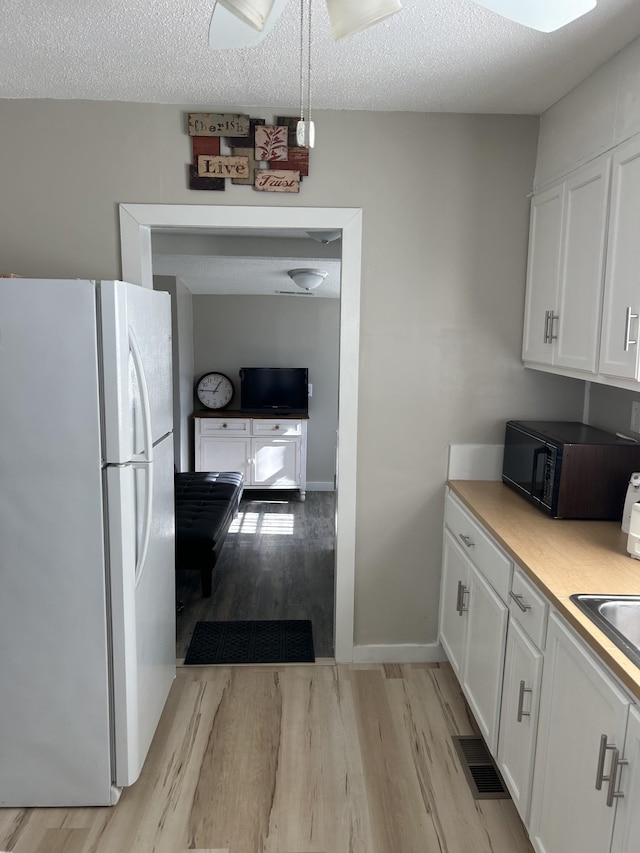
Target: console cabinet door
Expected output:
[485,642]
[580,702]
[454,595]
[276,462]
[626,837]
[519,716]
[224,454]
[620,322]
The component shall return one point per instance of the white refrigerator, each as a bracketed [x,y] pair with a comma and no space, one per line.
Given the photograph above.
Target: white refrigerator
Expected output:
[87,583]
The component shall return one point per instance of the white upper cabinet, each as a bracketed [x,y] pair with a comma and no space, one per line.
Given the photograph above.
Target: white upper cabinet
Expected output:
[620,324]
[543,271]
[565,270]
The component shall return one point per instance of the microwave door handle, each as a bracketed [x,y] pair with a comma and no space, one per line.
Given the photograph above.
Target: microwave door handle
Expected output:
[536,460]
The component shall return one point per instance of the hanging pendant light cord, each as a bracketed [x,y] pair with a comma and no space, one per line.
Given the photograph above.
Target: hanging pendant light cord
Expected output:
[304,69]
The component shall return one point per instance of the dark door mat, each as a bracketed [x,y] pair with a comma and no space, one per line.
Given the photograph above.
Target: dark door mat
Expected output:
[284,641]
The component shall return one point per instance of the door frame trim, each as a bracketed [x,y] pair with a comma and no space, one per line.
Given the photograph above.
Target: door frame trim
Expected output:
[137,222]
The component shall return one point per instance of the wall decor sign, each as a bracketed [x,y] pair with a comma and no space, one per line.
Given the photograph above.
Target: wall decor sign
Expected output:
[264,156]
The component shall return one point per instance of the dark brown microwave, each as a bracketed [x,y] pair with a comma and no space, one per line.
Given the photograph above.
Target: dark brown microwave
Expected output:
[569,469]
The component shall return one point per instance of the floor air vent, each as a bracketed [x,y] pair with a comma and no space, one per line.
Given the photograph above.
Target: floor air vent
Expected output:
[479,768]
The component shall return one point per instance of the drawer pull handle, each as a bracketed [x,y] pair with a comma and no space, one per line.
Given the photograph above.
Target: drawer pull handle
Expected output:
[224,426]
[462,591]
[616,762]
[277,426]
[516,597]
[522,713]
[468,541]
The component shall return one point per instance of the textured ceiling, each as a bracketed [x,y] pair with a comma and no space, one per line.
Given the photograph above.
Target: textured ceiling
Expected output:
[435,55]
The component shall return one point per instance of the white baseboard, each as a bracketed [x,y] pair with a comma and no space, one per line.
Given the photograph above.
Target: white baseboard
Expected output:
[400,653]
[320,487]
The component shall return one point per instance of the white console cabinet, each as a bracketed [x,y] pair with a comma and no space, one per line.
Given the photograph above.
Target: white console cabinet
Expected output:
[271,453]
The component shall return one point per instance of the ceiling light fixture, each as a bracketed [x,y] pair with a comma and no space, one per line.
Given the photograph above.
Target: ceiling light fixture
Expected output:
[352,16]
[543,15]
[346,17]
[324,236]
[307,279]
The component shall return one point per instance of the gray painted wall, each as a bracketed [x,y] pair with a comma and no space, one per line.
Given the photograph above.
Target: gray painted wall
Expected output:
[231,332]
[445,224]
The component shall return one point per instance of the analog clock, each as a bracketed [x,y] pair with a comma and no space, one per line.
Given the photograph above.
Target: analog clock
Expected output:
[214,390]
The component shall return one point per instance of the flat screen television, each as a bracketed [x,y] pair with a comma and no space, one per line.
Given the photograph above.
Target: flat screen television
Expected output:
[276,389]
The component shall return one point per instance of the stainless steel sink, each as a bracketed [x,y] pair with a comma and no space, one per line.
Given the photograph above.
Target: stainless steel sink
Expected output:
[618,616]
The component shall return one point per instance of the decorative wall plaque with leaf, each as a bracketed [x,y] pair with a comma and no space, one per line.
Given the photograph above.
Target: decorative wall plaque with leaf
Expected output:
[267,157]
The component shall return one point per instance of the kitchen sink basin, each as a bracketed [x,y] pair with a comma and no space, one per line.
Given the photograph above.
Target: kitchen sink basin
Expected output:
[618,616]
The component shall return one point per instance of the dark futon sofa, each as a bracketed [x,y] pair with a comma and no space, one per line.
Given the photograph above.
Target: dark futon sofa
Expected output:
[206,504]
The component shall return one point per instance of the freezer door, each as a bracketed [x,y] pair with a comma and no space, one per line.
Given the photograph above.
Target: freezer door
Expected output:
[136,370]
[142,587]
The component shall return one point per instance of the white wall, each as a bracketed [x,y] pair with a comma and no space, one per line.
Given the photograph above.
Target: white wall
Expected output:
[231,332]
[445,222]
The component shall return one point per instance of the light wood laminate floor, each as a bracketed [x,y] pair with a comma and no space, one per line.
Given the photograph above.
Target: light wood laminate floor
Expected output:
[292,759]
[277,562]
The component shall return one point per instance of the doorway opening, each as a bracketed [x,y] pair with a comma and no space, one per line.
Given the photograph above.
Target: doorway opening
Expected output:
[139,221]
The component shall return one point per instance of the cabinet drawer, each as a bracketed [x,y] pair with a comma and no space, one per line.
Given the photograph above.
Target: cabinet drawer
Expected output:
[235,426]
[481,550]
[533,618]
[275,427]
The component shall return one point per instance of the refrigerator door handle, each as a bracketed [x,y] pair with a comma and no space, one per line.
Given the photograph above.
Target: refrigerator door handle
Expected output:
[147,467]
[147,453]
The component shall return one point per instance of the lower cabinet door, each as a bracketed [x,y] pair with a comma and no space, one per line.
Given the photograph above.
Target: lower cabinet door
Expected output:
[276,462]
[224,454]
[583,718]
[485,642]
[626,836]
[453,602]
[519,717]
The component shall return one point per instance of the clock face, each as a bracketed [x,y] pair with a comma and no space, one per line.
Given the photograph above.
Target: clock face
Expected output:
[215,390]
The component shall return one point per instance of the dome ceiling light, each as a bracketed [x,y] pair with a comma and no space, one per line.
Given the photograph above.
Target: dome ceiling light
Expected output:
[307,278]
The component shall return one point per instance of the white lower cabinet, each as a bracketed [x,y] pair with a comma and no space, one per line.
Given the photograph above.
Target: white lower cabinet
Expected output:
[473,617]
[454,589]
[519,717]
[485,642]
[626,790]
[583,719]
[563,730]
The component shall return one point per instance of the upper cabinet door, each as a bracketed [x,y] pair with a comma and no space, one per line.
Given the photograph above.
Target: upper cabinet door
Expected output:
[620,323]
[576,328]
[543,270]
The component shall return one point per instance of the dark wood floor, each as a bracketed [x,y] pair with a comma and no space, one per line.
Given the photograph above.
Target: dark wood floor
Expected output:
[277,563]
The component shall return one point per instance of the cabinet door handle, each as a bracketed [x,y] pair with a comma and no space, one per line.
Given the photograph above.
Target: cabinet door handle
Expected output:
[616,762]
[462,591]
[547,317]
[516,597]
[627,330]
[468,541]
[552,318]
[522,713]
